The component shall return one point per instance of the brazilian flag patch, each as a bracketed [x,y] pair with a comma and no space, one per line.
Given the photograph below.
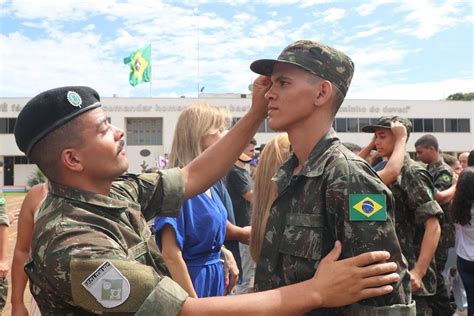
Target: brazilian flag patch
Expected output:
[367,207]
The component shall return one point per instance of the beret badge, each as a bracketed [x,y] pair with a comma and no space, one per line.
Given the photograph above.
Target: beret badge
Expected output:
[74,98]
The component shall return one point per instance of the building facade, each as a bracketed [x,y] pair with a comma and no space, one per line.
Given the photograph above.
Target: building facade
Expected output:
[149,125]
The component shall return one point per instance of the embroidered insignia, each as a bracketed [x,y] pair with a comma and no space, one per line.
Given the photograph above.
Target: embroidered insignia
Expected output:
[74,98]
[367,207]
[2,200]
[109,287]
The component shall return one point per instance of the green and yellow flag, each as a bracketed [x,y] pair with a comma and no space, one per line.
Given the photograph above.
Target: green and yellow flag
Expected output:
[140,65]
[367,207]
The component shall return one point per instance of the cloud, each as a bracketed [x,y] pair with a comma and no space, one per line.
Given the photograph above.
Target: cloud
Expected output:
[368,8]
[333,14]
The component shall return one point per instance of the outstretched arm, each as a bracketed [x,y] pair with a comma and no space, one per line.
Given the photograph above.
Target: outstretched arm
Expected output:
[335,283]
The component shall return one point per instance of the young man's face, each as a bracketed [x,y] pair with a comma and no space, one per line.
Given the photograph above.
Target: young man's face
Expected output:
[384,141]
[103,150]
[290,97]
[250,150]
[457,168]
[425,154]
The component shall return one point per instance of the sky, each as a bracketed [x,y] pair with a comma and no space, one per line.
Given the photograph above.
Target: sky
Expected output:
[403,49]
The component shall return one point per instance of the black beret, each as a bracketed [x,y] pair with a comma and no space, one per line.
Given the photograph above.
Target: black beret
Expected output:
[49,110]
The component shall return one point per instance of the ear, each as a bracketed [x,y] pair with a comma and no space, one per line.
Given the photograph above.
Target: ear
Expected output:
[71,160]
[323,93]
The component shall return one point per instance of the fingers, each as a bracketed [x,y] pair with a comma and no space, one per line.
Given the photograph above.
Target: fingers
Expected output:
[334,254]
[369,258]
[380,280]
[372,292]
[378,269]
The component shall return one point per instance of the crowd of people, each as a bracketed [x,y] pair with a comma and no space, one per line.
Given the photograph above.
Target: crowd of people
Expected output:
[320,227]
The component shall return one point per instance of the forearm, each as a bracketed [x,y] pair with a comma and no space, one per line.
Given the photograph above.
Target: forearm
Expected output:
[19,278]
[212,164]
[234,232]
[272,302]
[180,274]
[365,152]
[3,243]
[394,164]
[443,197]
[428,245]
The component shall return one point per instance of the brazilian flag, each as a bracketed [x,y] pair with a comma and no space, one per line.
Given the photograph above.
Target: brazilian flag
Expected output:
[140,65]
[367,207]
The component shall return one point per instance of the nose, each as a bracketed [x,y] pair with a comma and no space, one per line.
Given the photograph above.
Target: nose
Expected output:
[270,94]
[118,132]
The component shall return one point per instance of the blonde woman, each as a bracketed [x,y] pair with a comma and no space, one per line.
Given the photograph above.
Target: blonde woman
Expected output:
[191,244]
[275,153]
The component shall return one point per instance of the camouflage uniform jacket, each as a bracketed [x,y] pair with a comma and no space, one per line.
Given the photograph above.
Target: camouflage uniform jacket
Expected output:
[442,175]
[3,281]
[413,192]
[311,212]
[81,239]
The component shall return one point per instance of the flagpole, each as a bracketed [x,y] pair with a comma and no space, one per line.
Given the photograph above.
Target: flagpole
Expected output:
[151,73]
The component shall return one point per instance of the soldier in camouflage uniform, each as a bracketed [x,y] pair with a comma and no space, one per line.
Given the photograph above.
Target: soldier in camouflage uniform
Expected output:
[91,250]
[4,223]
[427,150]
[417,214]
[325,192]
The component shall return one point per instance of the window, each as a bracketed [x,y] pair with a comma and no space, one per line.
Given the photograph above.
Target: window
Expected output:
[428,125]
[352,125]
[7,125]
[451,125]
[341,125]
[438,126]
[463,125]
[418,125]
[145,131]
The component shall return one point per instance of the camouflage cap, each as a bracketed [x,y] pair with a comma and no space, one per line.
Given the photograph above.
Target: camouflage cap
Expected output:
[319,59]
[384,122]
[49,110]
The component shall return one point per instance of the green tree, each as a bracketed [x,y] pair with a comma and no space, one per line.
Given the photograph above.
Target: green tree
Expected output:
[36,177]
[461,96]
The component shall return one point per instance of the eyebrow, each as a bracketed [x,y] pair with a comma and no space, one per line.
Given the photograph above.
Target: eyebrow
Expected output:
[102,122]
[282,77]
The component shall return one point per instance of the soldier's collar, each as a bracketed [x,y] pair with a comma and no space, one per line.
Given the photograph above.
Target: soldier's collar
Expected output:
[88,197]
[313,167]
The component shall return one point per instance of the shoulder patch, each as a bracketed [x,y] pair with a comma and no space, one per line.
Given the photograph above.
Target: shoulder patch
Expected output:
[446,177]
[2,200]
[367,207]
[109,287]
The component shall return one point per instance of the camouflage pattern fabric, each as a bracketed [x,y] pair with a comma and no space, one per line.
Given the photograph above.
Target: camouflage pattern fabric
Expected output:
[414,192]
[3,293]
[76,231]
[442,175]
[311,212]
[3,211]
[317,58]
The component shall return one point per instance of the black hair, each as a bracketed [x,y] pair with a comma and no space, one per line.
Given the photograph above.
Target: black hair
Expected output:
[427,141]
[464,197]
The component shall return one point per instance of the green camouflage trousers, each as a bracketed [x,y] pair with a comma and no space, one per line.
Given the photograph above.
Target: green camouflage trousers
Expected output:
[3,293]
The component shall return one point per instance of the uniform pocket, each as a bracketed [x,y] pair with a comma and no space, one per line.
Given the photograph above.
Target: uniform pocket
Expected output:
[302,236]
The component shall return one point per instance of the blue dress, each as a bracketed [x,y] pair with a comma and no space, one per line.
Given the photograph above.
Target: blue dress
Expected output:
[200,233]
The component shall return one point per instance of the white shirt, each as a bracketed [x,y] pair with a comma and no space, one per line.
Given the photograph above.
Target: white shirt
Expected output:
[465,239]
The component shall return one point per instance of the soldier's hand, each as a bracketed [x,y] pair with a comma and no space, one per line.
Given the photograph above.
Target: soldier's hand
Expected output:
[350,280]
[260,86]
[416,280]
[398,129]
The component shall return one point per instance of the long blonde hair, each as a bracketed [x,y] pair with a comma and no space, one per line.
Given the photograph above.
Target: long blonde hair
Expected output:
[275,153]
[195,122]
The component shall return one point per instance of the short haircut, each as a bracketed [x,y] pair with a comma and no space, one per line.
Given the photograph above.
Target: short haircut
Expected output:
[1,163]
[253,141]
[427,141]
[47,152]
[337,95]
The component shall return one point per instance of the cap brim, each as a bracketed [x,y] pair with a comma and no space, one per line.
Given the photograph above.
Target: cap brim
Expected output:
[372,128]
[263,66]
